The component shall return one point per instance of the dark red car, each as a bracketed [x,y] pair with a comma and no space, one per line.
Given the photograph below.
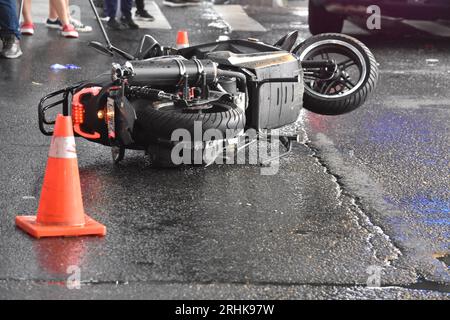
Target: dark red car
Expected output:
[329,15]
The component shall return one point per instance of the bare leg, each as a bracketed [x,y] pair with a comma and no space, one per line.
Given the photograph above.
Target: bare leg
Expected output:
[68,11]
[60,7]
[52,14]
[26,13]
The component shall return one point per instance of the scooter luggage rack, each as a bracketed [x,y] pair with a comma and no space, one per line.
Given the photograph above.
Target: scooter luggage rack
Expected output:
[43,107]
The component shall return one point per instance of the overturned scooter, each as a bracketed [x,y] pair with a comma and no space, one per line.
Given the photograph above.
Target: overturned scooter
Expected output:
[226,86]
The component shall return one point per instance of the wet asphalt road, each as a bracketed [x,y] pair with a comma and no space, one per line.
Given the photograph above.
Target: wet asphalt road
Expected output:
[365,190]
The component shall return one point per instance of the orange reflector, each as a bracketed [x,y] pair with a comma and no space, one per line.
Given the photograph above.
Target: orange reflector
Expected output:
[78,107]
[77,113]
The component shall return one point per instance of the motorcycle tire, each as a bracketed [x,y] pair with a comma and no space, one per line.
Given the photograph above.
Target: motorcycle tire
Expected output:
[364,61]
[158,119]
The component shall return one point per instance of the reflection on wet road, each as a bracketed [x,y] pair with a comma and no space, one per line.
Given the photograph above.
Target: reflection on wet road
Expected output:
[401,139]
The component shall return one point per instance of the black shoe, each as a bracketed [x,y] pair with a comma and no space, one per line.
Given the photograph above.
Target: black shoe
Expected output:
[114,25]
[144,15]
[98,3]
[102,14]
[11,47]
[181,3]
[128,22]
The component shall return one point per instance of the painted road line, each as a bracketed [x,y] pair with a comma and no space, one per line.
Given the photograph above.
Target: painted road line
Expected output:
[353,28]
[429,27]
[237,19]
[300,11]
[160,21]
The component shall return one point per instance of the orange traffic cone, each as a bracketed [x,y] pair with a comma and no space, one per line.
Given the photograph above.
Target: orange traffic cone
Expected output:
[60,211]
[182,39]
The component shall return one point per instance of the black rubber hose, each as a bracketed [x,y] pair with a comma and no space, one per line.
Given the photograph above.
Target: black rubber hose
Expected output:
[240,76]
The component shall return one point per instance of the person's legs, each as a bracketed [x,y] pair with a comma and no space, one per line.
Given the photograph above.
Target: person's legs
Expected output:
[68,10]
[53,21]
[9,29]
[111,8]
[141,13]
[140,5]
[78,25]
[9,23]
[27,26]
[26,12]
[60,8]
[110,11]
[127,20]
[98,3]
[125,8]
[52,14]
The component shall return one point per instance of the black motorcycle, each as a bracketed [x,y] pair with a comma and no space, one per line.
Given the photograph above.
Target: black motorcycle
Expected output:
[226,86]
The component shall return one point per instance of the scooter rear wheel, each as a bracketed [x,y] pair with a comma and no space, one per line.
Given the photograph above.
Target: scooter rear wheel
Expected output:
[157,120]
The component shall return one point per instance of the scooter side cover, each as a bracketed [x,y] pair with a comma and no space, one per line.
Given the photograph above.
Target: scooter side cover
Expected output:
[275,104]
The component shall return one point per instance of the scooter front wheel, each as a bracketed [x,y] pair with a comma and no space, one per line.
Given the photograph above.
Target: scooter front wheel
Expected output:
[343,88]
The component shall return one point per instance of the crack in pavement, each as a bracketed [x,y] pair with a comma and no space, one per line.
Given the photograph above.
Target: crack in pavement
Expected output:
[363,220]
[365,216]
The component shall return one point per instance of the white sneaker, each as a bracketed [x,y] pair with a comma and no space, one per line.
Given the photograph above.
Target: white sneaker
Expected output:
[11,47]
[79,26]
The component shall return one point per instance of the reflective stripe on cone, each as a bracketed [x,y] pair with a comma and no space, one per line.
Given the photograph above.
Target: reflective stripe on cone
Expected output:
[62,148]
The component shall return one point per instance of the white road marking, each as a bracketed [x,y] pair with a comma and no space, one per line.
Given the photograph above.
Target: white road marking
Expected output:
[352,28]
[300,11]
[237,19]
[434,28]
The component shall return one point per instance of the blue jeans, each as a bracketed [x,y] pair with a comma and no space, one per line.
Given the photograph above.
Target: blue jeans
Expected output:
[9,22]
[111,7]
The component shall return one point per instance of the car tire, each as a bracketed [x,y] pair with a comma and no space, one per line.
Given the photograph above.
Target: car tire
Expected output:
[322,21]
